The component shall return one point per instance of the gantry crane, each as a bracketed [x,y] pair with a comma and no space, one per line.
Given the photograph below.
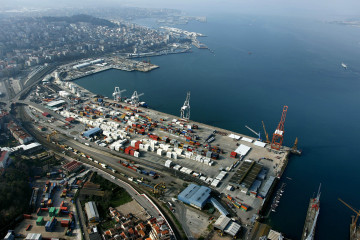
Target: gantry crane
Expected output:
[257,134]
[117,94]
[159,189]
[354,235]
[266,134]
[53,134]
[185,109]
[135,98]
[278,135]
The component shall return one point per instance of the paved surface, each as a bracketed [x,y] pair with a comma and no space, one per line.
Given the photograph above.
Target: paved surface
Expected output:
[82,222]
[181,216]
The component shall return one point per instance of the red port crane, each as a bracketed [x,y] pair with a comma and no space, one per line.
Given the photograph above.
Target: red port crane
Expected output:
[278,135]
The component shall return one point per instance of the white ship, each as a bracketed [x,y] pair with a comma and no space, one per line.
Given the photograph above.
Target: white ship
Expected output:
[344,65]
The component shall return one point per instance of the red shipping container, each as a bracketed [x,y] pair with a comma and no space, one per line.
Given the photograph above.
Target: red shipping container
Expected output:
[64,208]
[27,216]
[44,209]
[132,152]
[65,223]
[62,203]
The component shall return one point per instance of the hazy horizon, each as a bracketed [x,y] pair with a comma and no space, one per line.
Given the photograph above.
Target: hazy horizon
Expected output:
[321,9]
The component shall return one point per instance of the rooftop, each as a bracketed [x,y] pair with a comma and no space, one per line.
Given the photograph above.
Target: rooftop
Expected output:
[195,195]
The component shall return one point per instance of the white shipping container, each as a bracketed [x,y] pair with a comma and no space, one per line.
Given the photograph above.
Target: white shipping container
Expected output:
[168,154]
[159,152]
[136,154]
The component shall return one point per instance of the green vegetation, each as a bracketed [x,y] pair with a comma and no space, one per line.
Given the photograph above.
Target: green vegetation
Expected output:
[114,195]
[176,221]
[107,224]
[15,190]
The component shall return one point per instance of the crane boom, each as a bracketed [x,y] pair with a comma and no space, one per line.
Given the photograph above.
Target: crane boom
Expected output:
[185,109]
[258,134]
[266,134]
[278,135]
[352,209]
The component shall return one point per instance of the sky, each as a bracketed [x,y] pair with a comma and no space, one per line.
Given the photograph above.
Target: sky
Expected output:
[300,8]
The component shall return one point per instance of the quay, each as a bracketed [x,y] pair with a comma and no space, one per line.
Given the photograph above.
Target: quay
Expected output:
[240,170]
[88,67]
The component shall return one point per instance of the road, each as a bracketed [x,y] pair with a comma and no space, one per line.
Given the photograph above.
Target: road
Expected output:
[181,216]
[142,199]
[103,156]
[82,221]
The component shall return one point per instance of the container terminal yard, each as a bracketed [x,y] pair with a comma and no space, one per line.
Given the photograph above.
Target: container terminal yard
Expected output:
[231,172]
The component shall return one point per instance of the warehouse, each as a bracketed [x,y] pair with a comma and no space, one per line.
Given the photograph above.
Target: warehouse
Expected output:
[194,195]
[91,212]
[31,148]
[92,132]
[219,207]
[71,167]
[226,225]
[245,176]
[55,104]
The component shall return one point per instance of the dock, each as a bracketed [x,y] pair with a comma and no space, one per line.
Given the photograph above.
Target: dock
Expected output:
[311,218]
[122,64]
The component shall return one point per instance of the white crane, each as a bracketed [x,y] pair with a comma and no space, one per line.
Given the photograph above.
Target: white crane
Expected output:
[135,98]
[258,134]
[185,109]
[117,94]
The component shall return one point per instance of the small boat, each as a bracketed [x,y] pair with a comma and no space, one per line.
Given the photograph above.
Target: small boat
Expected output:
[273,210]
[344,65]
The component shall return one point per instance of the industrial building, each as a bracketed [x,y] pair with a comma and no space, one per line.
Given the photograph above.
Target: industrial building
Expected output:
[91,212]
[225,224]
[18,133]
[71,167]
[265,190]
[31,148]
[246,175]
[92,132]
[55,104]
[218,206]
[198,196]
[194,195]
[87,64]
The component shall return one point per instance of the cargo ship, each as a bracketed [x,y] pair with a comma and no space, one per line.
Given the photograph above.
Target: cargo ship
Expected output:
[344,65]
[311,217]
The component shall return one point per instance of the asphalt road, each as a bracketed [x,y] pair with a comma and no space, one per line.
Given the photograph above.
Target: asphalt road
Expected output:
[181,216]
[101,155]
